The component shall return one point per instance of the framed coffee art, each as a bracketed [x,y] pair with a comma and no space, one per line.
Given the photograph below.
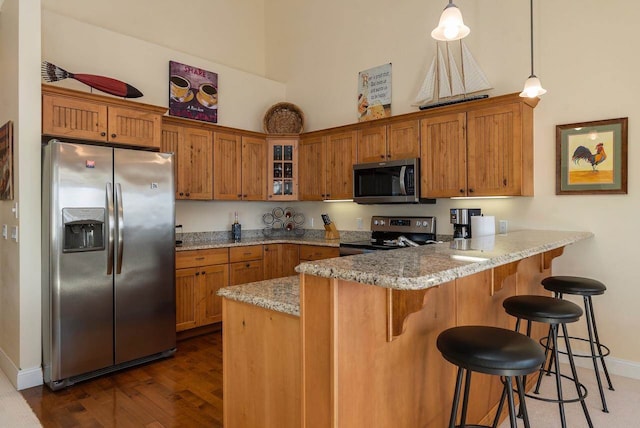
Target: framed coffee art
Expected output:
[591,157]
[193,92]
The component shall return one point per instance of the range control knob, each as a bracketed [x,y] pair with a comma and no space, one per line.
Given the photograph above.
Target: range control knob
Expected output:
[425,223]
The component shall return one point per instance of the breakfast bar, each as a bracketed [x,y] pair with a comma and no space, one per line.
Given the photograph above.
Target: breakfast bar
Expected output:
[351,342]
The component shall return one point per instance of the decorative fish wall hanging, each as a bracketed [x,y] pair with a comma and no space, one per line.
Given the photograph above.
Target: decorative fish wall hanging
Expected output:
[53,73]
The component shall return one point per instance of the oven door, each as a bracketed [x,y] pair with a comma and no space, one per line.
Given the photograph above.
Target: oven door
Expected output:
[387,182]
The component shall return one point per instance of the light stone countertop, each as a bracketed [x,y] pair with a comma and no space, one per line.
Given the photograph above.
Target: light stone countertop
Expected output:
[406,268]
[280,295]
[430,265]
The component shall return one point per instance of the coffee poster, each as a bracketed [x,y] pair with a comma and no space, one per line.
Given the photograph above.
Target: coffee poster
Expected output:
[193,92]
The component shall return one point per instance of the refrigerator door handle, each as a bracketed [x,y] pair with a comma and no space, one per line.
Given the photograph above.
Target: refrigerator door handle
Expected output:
[112,225]
[120,227]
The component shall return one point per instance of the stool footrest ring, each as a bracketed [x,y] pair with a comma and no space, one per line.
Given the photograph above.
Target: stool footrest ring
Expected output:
[543,342]
[581,395]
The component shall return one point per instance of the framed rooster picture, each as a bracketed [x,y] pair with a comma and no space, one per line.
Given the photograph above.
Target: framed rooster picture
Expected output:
[591,157]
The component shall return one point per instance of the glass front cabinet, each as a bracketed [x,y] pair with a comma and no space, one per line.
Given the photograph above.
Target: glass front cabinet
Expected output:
[283,168]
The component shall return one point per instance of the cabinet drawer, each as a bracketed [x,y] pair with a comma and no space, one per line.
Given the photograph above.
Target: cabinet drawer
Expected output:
[212,256]
[240,254]
[317,252]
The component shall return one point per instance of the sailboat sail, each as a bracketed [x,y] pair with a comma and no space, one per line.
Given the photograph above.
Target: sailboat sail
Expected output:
[474,79]
[447,78]
[457,87]
[428,85]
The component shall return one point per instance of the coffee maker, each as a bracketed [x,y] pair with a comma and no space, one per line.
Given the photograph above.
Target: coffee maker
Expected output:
[461,221]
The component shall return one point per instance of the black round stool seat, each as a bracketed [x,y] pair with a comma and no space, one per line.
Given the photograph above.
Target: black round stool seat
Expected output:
[490,350]
[542,309]
[574,285]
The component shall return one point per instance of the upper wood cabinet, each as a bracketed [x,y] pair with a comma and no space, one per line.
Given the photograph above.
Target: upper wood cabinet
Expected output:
[82,116]
[485,151]
[239,167]
[327,163]
[282,169]
[193,160]
[399,140]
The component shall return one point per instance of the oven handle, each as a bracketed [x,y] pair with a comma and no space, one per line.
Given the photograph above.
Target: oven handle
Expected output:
[350,251]
[403,187]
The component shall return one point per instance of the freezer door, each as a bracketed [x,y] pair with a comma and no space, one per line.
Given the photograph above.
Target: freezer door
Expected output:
[145,254]
[77,289]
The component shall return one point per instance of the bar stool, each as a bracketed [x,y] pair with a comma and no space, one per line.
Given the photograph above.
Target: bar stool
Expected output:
[494,351]
[555,312]
[586,288]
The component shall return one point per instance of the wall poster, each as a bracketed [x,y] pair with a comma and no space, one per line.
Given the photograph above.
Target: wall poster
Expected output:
[6,161]
[193,92]
[374,93]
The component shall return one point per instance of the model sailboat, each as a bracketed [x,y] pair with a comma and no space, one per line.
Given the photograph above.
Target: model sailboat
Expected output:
[445,84]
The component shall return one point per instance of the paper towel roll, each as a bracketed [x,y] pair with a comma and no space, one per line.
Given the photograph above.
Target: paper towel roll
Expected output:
[483,225]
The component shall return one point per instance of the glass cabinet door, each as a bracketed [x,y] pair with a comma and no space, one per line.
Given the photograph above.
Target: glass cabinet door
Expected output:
[283,165]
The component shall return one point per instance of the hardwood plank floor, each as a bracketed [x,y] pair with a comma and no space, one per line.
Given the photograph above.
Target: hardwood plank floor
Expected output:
[182,391]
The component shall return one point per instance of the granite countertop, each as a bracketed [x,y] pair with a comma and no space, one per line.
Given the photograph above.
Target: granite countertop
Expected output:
[225,242]
[430,265]
[280,295]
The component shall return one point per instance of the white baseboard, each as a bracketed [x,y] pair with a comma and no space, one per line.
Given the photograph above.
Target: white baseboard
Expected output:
[615,366]
[20,378]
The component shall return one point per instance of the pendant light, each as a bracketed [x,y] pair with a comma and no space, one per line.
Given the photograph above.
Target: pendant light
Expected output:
[451,27]
[532,87]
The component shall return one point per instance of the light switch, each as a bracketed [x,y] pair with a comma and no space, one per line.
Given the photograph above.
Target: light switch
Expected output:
[15,209]
[14,233]
[5,231]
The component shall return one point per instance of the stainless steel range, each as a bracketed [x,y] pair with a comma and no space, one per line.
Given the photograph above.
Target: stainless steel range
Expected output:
[388,233]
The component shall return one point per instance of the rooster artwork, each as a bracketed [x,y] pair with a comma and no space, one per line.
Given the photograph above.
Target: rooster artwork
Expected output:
[595,159]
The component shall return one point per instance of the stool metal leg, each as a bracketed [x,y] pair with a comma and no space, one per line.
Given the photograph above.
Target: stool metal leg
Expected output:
[523,406]
[456,399]
[465,400]
[574,373]
[512,405]
[594,342]
[554,341]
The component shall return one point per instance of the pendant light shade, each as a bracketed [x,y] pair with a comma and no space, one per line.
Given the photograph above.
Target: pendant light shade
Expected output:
[532,87]
[451,26]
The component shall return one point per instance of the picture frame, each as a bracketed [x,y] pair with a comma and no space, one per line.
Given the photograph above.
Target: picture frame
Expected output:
[591,157]
[6,161]
[193,92]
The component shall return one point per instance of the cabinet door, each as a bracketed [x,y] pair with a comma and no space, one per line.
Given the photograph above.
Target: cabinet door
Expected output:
[312,161]
[443,157]
[272,261]
[243,272]
[172,138]
[282,168]
[372,144]
[254,169]
[186,298]
[195,167]
[227,166]
[494,151]
[74,118]
[290,259]
[134,127]
[341,155]
[404,140]
[212,279]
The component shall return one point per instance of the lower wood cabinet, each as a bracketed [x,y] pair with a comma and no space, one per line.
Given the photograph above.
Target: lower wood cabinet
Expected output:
[199,276]
[245,264]
[317,252]
[280,260]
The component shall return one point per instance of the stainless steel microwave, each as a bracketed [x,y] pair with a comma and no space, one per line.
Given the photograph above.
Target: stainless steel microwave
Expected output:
[387,182]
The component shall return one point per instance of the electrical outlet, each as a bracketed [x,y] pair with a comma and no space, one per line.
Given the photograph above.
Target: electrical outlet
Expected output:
[503,227]
[359,223]
[5,231]
[311,222]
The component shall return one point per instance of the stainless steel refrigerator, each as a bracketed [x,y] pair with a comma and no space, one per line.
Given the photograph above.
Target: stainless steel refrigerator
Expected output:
[108,227]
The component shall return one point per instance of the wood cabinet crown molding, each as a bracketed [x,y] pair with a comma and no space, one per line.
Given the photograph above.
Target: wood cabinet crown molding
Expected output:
[61,91]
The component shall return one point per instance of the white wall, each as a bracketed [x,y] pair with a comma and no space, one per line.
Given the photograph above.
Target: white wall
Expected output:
[583,58]
[229,33]
[20,261]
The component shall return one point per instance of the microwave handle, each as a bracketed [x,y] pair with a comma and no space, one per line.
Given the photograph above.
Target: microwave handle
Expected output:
[403,187]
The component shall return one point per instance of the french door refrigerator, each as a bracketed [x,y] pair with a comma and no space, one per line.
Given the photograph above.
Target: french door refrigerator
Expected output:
[108,247]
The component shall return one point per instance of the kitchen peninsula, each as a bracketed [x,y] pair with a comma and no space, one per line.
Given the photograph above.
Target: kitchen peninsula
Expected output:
[360,349]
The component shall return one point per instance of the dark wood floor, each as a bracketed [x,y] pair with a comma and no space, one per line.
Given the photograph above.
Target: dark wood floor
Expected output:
[182,391]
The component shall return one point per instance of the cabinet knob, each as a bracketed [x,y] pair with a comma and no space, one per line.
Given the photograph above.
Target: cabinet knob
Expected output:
[247,265]
[239,195]
[382,156]
[204,273]
[181,193]
[470,190]
[103,134]
[197,273]
[244,196]
[113,135]
[504,182]
[188,194]
[461,190]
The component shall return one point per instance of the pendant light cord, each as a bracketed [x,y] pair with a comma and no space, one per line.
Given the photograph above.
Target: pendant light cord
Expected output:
[531,15]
